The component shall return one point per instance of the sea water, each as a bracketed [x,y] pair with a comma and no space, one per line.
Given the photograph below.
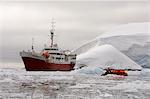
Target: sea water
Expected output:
[20,84]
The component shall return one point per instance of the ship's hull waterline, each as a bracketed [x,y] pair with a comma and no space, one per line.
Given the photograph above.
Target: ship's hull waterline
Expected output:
[32,64]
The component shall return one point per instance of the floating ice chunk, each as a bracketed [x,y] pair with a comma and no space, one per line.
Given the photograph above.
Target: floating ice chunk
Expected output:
[133,73]
[131,86]
[80,86]
[145,72]
[90,70]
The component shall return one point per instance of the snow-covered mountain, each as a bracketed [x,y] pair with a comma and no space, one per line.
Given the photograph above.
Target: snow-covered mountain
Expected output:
[131,39]
[105,56]
[140,54]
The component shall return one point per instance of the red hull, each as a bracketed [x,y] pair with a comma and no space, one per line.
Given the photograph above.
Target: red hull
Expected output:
[32,64]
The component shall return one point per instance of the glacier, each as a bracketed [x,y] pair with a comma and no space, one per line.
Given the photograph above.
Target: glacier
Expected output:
[105,56]
[131,39]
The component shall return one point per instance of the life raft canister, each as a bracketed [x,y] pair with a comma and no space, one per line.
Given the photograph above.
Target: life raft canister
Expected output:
[45,54]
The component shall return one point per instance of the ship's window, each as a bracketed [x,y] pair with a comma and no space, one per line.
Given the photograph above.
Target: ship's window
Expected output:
[58,58]
[56,53]
[47,49]
[54,49]
[74,58]
[50,49]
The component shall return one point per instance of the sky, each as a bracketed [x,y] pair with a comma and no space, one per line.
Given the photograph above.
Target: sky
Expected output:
[76,23]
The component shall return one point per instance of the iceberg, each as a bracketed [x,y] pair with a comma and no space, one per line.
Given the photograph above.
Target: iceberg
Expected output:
[105,56]
[131,39]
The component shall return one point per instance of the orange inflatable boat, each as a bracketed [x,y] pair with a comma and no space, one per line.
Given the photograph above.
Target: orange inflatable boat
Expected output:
[115,71]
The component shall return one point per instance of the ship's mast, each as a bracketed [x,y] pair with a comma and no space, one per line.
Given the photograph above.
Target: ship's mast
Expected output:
[52,32]
[32,44]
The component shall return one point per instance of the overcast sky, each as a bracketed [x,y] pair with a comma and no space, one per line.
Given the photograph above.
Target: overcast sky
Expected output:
[76,23]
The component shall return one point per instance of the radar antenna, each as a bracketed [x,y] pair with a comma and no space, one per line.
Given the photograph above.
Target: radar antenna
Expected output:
[52,31]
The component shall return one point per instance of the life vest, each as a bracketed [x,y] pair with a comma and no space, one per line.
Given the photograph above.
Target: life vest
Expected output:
[45,54]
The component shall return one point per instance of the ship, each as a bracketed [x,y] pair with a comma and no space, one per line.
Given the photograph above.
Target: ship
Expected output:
[50,58]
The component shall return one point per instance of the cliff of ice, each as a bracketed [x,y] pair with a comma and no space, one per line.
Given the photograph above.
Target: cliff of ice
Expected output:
[105,56]
[132,39]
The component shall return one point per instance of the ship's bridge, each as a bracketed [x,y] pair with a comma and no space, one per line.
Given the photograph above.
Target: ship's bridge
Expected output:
[52,49]
[57,55]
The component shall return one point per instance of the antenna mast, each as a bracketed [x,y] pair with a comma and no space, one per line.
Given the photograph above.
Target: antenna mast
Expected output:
[32,44]
[52,32]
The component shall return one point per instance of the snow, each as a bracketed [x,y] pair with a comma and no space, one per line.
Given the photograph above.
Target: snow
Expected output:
[129,29]
[132,39]
[90,70]
[126,41]
[121,37]
[105,56]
